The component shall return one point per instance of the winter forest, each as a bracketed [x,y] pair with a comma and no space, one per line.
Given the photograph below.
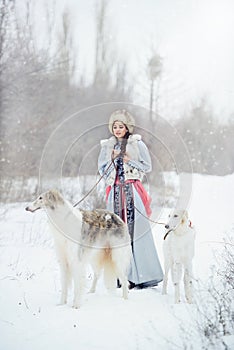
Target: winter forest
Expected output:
[44,82]
[65,66]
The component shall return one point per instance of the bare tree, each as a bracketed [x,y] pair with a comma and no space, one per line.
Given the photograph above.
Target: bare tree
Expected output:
[6,15]
[38,95]
[102,48]
[208,140]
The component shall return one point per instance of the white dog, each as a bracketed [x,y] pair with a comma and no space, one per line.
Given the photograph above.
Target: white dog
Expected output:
[98,237]
[178,251]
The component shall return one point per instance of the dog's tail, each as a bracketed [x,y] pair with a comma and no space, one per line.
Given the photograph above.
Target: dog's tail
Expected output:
[109,274]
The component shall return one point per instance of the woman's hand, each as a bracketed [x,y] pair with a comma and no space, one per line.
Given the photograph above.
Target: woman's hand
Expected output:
[126,158]
[115,153]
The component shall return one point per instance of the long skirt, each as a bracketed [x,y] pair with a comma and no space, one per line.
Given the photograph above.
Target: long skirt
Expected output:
[145,269]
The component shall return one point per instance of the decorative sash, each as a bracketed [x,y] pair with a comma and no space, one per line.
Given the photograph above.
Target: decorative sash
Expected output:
[123,198]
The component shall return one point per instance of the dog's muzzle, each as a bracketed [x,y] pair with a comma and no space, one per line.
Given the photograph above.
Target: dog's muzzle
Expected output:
[31,210]
[167,226]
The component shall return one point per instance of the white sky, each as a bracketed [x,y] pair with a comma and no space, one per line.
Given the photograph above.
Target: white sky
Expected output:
[194,37]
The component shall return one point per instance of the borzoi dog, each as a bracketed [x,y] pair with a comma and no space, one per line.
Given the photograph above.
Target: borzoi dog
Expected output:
[178,249]
[82,237]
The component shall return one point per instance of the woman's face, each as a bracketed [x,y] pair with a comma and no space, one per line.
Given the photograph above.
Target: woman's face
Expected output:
[119,129]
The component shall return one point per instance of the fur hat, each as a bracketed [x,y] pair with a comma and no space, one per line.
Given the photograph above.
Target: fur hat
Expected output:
[121,115]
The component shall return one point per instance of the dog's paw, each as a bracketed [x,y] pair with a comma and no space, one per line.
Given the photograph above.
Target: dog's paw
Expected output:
[125,296]
[91,291]
[189,301]
[76,303]
[61,304]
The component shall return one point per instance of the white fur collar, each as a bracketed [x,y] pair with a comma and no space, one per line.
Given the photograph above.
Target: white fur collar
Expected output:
[112,139]
[134,137]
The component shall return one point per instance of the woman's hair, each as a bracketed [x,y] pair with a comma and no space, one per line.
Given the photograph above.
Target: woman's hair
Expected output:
[124,143]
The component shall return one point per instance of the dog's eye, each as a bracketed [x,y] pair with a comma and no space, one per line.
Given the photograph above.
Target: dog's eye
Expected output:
[175,216]
[40,197]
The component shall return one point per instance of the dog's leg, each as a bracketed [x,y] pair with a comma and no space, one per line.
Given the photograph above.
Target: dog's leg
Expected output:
[165,279]
[94,284]
[176,277]
[124,282]
[125,288]
[78,278]
[96,274]
[65,276]
[122,275]
[97,265]
[188,282]
[121,267]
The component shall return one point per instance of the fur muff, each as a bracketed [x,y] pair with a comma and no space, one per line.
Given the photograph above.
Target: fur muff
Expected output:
[132,150]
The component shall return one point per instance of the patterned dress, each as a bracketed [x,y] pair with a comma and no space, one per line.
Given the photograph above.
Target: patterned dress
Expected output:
[128,199]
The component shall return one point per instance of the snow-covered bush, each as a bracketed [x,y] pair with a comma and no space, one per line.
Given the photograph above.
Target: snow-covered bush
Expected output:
[213,312]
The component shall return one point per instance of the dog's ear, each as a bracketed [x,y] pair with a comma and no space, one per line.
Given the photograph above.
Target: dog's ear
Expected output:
[55,195]
[50,199]
[53,198]
[184,217]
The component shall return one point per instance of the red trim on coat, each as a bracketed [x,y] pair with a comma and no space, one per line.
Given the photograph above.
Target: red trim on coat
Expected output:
[145,197]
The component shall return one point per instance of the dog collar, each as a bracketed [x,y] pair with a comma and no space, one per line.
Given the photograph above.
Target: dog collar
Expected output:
[167,233]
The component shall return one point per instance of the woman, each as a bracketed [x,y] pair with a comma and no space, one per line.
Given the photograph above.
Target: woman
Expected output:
[124,159]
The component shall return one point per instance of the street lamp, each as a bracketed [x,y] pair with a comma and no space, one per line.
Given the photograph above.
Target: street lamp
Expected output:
[154,70]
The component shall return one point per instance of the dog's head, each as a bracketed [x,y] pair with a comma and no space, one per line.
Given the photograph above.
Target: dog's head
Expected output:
[50,199]
[178,218]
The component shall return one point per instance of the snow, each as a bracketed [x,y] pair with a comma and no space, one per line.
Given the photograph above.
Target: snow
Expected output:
[29,282]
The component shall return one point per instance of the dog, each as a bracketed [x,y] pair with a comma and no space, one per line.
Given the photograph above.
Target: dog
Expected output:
[83,237]
[178,249]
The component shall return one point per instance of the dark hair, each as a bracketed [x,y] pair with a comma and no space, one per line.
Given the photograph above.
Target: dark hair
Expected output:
[124,143]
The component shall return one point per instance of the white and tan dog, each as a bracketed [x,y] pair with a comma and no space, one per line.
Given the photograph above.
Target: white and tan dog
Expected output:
[82,237]
[178,249]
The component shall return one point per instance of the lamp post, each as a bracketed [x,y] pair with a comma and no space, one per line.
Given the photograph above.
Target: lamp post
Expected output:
[154,71]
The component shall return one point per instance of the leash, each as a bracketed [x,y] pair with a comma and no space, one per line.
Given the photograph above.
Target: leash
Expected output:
[95,185]
[155,222]
[172,229]
[218,242]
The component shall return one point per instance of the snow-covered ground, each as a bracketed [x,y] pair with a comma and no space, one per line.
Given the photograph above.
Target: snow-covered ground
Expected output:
[30,286]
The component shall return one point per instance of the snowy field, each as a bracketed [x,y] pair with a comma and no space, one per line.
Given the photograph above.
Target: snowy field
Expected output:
[30,286]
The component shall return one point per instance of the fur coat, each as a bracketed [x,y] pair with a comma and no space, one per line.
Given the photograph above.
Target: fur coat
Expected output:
[135,168]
